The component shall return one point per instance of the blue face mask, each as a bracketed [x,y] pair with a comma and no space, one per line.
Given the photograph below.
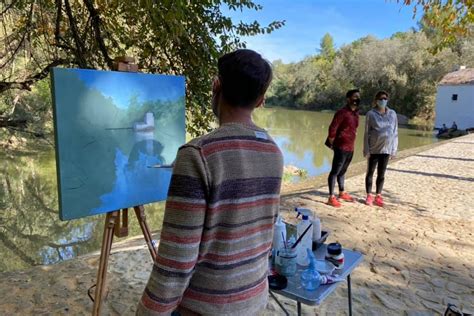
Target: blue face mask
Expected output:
[382,103]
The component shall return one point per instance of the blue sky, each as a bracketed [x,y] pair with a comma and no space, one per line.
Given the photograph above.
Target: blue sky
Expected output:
[121,86]
[308,20]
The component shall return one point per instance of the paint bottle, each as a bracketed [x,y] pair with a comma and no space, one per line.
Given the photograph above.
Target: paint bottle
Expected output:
[279,237]
[306,242]
[316,228]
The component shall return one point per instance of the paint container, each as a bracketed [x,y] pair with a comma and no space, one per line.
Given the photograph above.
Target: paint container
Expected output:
[335,255]
[287,261]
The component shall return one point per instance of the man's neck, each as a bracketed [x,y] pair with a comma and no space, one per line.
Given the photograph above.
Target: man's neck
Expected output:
[239,115]
[352,107]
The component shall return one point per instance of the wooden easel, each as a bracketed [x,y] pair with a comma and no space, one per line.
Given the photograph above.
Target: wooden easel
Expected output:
[113,225]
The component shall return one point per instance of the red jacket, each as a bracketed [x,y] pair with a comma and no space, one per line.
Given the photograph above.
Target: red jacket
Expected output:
[343,128]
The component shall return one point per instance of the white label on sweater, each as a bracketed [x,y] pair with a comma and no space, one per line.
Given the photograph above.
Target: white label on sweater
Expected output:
[261,135]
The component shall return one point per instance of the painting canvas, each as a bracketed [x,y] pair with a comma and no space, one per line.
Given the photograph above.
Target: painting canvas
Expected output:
[115,132]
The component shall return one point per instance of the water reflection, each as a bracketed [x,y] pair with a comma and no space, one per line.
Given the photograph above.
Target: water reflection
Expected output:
[301,135]
[30,230]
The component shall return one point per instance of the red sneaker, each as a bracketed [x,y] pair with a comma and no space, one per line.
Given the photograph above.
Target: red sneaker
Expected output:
[369,200]
[333,201]
[378,200]
[346,197]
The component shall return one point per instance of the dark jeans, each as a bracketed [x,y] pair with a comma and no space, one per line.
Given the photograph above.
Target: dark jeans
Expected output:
[380,160]
[340,163]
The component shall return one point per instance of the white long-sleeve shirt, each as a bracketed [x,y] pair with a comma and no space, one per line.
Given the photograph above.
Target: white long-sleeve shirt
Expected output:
[381,132]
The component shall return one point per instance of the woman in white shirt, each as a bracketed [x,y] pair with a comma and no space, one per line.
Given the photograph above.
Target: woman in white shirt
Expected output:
[380,143]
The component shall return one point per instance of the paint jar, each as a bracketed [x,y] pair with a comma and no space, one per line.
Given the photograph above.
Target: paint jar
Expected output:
[287,262]
[335,255]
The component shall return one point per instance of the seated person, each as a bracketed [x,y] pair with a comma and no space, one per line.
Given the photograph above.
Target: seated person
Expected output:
[443,129]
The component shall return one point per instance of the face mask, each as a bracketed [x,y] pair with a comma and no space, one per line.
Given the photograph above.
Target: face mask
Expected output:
[382,103]
[356,102]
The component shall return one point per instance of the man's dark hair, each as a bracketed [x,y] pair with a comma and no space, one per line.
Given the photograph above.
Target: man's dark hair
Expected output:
[244,77]
[380,93]
[350,93]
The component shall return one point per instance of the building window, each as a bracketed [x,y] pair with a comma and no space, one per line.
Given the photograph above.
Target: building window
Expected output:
[454,97]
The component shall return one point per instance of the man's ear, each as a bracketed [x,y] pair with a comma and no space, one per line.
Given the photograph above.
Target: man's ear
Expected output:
[216,85]
[260,102]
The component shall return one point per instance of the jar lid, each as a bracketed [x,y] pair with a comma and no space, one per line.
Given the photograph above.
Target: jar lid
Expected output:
[334,248]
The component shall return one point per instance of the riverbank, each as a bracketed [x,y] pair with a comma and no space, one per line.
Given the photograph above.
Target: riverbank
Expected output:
[419,249]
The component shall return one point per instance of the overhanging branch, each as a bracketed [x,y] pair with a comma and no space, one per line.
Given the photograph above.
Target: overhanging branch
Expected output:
[98,36]
[26,84]
[22,39]
[75,34]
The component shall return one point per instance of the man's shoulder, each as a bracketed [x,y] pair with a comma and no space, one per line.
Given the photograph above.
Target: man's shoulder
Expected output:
[205,139]
[230,133]
[346,111]
[341,110]
[195,142]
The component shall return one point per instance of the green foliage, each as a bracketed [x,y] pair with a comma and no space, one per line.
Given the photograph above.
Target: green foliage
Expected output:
[448,20]
[171,37]
[402,65]
[327,49]
[34,106]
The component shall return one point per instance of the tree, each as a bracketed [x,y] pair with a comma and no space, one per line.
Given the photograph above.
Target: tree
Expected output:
[453,18]
[327,49]
[401,64]
[173,37]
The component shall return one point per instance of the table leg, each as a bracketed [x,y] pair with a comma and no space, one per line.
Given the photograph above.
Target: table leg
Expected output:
[279,304]
[298,306]
[349,294]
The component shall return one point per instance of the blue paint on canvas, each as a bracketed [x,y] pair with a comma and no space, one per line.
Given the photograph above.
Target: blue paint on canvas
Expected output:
[113,130]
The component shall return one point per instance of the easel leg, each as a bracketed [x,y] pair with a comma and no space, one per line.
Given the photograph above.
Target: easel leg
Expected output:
[140,212]
[104,258]
[298,307]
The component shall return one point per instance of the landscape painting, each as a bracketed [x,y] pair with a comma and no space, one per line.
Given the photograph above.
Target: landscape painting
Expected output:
[115,134]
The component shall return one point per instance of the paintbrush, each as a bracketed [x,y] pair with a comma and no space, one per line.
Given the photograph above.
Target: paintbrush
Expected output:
[301,237]
[284,241]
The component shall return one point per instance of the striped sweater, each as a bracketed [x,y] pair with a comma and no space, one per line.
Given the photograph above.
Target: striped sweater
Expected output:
[217,229]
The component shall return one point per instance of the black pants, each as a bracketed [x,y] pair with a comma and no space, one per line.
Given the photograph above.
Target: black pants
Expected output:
[380,160]
[340,163]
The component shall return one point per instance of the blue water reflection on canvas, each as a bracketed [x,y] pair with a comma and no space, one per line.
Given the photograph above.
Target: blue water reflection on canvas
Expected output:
[113,130]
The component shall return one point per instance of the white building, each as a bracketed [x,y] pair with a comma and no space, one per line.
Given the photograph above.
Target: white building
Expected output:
[455,99]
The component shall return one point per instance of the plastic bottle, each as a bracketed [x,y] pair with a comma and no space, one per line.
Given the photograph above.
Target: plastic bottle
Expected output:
[305,243]
[304,211]
[314,220]
[310,278]
[279,236]
[316,228]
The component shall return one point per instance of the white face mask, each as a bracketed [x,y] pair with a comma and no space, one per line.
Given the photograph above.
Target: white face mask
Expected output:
[382,103]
